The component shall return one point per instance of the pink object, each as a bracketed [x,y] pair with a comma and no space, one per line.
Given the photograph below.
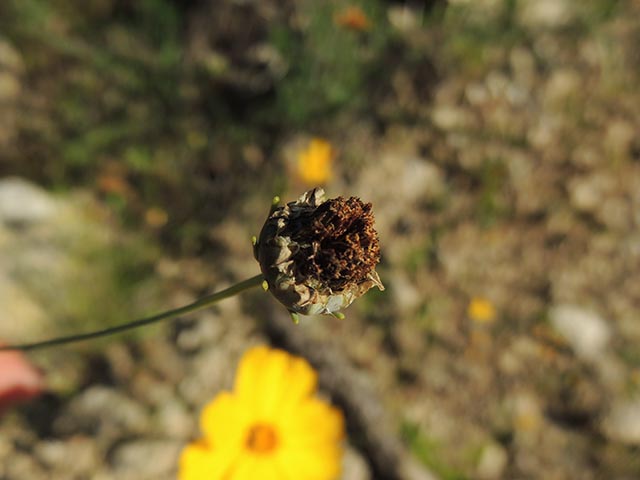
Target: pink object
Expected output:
[19,380]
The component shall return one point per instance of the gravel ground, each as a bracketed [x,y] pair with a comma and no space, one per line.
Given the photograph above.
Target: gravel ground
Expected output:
[503,163]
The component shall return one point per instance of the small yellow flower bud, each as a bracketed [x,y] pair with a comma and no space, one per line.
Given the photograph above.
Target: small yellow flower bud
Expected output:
[481,310]
[315,162]
[319,255]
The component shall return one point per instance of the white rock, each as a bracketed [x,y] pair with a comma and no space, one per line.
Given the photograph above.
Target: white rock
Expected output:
[422,179]
[155,457]
[476,93]
[9,87]
[403,18]
[622,424]
[487,4]
[54,454]
[104,409]
[545,14]
[354,466]
[447,117]
[563,84]
[544,132]
[407,296]
[60,257]
[587,192]
[419,179]
[497,83]
[402,181]
[585,331]
[22,202]
[411,469]
[10,58]
[619,137]
[523,65]
[175,421]
[493,461]
[22,315]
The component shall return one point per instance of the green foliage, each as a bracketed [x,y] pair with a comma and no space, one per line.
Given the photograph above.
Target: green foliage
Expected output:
[471,34]
[32,14]
[595,12]
[124,291]
[424,255]
[426,450]
[492,204]
[91,279]
[119,78]
[329,64]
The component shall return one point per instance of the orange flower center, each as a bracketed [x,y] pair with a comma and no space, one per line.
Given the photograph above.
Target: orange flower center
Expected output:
[262,438]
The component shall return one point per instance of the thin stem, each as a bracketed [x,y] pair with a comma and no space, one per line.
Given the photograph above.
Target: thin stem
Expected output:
[169,314]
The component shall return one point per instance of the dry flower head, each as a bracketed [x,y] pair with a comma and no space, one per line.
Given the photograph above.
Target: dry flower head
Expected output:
[319,255]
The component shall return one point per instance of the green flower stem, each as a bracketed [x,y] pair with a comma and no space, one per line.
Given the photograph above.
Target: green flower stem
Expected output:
[169,314]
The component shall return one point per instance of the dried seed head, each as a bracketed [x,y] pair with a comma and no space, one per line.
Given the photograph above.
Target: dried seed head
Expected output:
[319,255]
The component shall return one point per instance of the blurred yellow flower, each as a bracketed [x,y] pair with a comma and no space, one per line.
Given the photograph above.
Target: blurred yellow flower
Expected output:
[481,310]
[315,162]
[271,427]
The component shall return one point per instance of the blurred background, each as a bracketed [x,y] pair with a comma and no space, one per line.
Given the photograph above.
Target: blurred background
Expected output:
[141,142]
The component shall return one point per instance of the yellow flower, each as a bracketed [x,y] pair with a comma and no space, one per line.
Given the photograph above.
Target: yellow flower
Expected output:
[314,163]
[271,427]
[481,310]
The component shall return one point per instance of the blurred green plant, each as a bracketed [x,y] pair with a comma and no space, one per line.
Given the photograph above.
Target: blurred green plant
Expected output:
[328,63]
[120,282]
[472,30]
[493,179]
[109,78]
[424,255]
[470,33]
[426,450]
[105,91]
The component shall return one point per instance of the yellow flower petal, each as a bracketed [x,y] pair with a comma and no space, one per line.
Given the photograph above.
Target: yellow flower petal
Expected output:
[271,380]
[314,423]
[223,422]
[303,380]
[194,461]
[262,468]
[199,461]
[323,463]
[314,163]
[245,470]
[311,446]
